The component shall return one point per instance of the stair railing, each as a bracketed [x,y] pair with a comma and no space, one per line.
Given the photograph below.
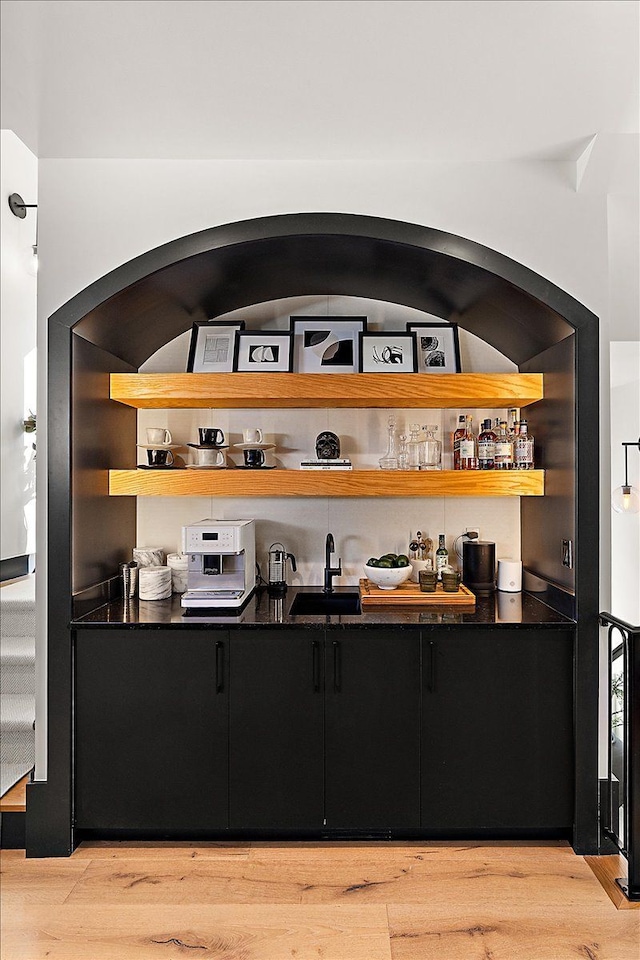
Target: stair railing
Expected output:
[621,814]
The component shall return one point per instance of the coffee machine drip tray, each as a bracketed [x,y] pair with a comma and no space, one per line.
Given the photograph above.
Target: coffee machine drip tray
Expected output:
[210,598]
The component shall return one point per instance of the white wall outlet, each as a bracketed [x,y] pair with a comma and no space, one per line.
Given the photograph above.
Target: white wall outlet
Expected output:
[473,530]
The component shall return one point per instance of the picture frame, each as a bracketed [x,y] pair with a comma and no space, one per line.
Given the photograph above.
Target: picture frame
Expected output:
[326,344]
[212,346]
[263,351]
[388,352]
[437,347]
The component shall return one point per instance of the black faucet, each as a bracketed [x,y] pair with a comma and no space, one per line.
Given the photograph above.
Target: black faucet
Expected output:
[329,571]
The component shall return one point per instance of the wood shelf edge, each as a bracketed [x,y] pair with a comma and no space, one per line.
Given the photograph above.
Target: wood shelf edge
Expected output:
[312,483]
[291,390]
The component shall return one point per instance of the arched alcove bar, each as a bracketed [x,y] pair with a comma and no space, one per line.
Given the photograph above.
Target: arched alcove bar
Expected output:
[117,323]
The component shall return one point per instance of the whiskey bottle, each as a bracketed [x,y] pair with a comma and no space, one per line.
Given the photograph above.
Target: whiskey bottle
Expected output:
[513,420]
[442,556]
[523,448]
[503,449]
[457,437]
[486,446]
[468,449]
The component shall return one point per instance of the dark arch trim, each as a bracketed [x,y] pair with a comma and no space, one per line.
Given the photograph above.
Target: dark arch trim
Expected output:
[234,265]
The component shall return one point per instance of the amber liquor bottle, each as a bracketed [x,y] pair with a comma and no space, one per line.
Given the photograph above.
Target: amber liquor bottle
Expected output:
[468,448]
[486,446]
[457,436]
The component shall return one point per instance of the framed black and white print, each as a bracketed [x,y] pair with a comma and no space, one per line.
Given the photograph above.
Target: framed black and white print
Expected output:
[387,352]
[437,347]
[260,351]
[212,346]
[326,344]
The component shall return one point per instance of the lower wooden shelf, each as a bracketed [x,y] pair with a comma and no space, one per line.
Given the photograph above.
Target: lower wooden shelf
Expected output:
[316,483]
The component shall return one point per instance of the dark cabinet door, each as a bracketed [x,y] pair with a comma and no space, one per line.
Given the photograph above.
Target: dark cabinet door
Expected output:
[372,729]
[151,729]
[276,729]
[497,730]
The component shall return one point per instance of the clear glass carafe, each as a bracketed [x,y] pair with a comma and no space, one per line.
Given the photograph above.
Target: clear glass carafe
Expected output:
[414,446]
[390,459]
[403,454]
[430,449]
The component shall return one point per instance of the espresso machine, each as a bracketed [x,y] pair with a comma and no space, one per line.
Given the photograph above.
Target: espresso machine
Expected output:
[221,556]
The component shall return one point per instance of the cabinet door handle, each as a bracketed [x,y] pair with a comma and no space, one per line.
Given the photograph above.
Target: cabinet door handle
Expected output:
[219,666]
[337,677]
[315,656]
[431,675]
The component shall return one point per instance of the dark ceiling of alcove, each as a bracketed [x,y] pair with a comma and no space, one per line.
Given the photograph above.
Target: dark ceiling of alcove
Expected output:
[145,303]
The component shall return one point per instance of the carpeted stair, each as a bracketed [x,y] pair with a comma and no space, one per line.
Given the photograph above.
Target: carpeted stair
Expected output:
[17,687]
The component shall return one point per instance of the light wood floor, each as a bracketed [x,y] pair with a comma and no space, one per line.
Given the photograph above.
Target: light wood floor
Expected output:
[335,901]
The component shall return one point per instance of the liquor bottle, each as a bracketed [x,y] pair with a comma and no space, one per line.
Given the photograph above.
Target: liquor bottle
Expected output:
[523,448]
[468,449]
[442,556]
[513,420]
[503,449]
[486,446]
[413,447]
[456,438]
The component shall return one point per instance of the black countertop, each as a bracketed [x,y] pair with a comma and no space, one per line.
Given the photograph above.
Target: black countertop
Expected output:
[500,610]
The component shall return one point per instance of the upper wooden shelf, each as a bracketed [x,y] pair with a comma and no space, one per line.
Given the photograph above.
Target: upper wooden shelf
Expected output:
[227,390]
[323,483]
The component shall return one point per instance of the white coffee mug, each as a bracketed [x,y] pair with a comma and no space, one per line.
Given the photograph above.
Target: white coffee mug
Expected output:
[158,435]
[210,457]
[252,435]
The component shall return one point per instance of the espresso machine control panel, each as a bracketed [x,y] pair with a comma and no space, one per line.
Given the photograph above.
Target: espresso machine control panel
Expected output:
[201,538]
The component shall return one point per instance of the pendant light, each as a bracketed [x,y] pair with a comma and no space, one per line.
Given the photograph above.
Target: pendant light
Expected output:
[625,499]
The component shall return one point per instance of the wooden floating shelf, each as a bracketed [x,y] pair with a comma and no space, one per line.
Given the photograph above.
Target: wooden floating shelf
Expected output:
[316,483]
[251,390]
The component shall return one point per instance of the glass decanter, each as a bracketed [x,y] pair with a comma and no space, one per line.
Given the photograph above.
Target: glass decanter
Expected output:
[390,459]
[413,447]
[431,449]
[403,453]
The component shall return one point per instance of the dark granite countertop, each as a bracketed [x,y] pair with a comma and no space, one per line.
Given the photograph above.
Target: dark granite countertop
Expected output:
[501,610]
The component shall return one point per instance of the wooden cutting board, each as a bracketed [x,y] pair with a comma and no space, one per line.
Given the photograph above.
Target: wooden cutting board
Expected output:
[410,593]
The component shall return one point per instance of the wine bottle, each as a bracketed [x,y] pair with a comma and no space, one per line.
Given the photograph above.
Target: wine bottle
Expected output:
[442,556]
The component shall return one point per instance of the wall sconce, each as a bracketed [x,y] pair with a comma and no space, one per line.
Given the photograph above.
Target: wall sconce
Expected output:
[19,209]
[625,499]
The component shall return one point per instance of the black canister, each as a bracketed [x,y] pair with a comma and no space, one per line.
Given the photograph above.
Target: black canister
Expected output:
[479,566]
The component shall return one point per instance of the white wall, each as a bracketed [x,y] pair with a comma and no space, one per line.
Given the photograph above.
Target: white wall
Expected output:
[19,174]
[625,428]
[98,214]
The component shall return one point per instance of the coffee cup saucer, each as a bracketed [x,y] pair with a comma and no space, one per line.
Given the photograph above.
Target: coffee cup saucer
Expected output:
[159,446]
[208,446]
[254,446]
[206,466]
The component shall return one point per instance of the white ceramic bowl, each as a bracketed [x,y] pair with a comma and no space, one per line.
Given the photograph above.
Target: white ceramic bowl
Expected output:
[387,578]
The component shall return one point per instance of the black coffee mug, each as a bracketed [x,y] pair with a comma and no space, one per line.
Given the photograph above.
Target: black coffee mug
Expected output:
[159,458]
[211,436]
[253,458]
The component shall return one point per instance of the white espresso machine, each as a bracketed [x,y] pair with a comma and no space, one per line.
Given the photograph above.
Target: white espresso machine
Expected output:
[221,568]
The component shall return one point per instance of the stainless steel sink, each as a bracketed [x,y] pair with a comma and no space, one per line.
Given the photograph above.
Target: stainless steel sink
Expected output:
[319,604]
